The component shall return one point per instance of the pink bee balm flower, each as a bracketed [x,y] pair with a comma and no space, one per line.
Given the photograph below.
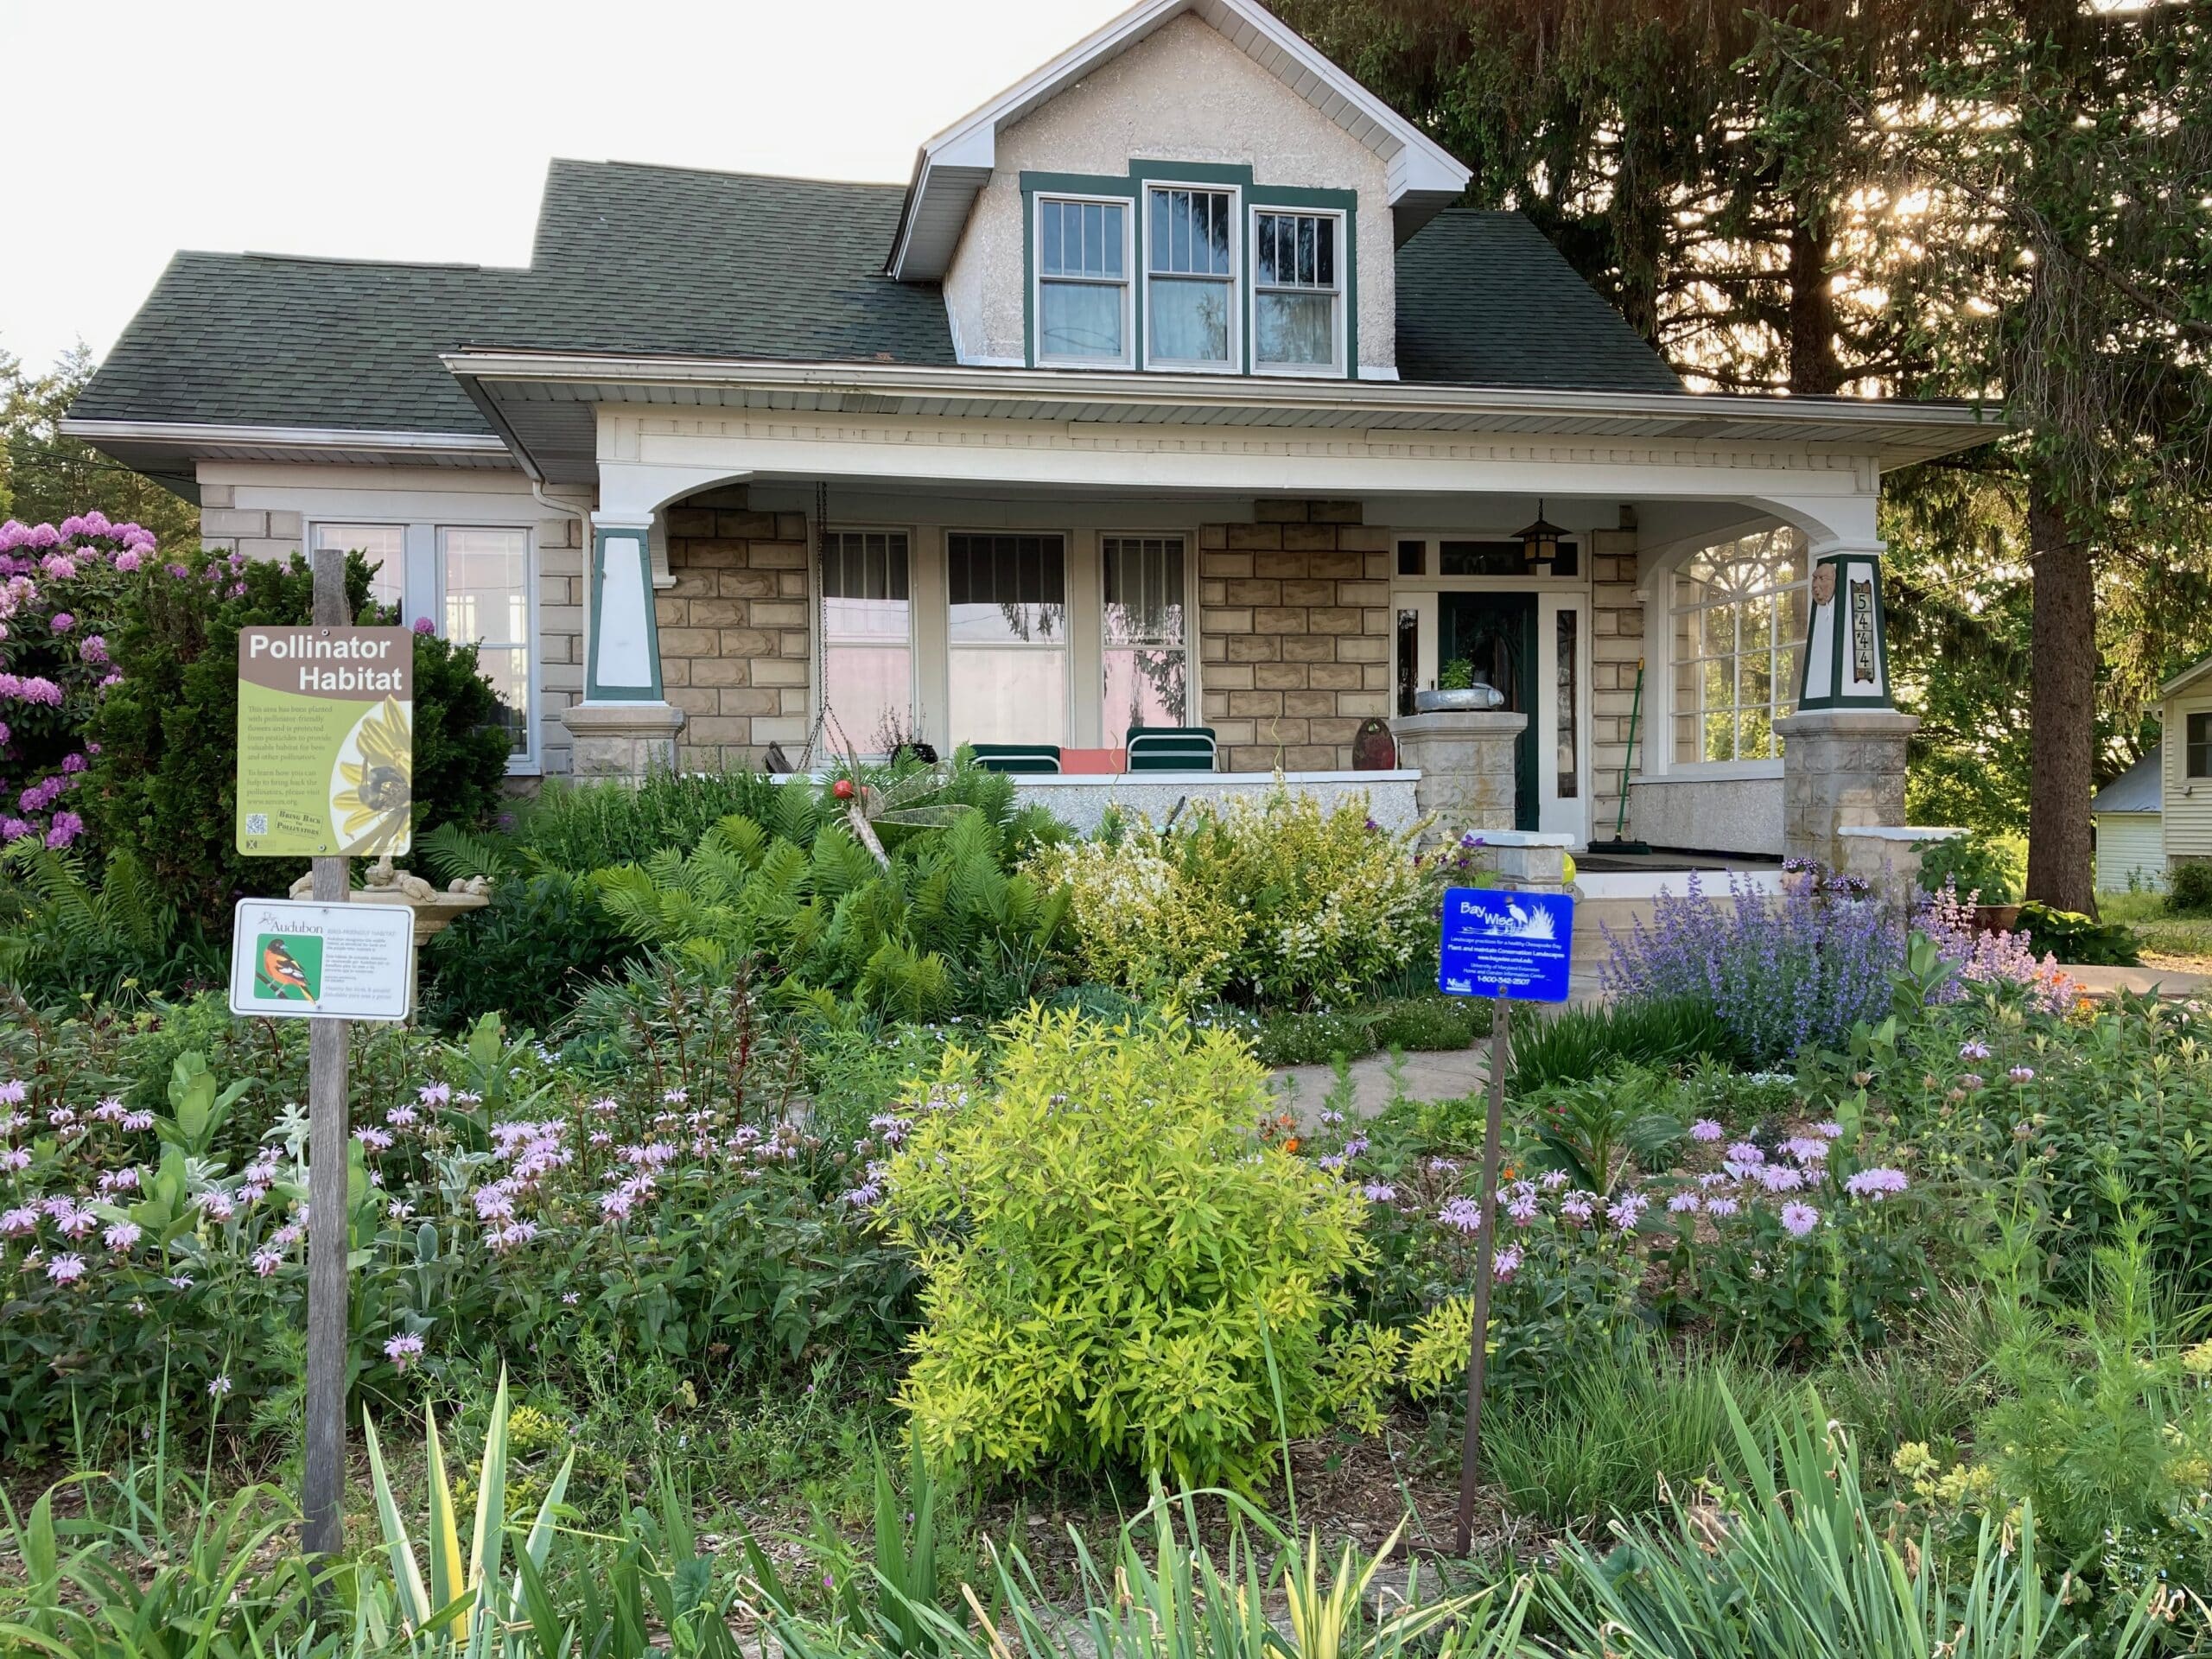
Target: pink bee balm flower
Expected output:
[266,1261]
[400,1350]
[1462,1216]
[1721,1206]
[1684,1204]
[121,1236]
[1705,1129]
[1876,1183]
[1976,1050]
[1799,1219]
[14,1223]
[1378,1193]
[65,1269]
[2022,1074]
[1506,1263]
[217,1388]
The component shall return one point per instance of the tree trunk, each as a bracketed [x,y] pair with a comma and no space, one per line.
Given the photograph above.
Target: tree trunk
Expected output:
[1814,370]
[2061,706]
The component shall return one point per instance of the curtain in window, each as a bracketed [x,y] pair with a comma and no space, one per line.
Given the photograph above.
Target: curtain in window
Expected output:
[867,636]
[1146,659]
[1007,631]
[1081,283]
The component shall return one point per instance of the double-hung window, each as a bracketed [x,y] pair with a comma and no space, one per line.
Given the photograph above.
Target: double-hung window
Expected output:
[486,574]
[1008,632]
[867,651]
[1083,281]
[1298,313]
[2196,756]
[1189,283]
[1147,653]
[384,546]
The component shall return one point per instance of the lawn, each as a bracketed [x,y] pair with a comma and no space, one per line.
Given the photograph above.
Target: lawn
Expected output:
[2167,940]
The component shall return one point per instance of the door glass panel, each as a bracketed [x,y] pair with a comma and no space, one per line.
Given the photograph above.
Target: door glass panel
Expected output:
[1409,657]
[1567,765]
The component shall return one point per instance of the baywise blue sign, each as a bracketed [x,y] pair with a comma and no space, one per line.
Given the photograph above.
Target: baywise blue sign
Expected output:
[1516,945]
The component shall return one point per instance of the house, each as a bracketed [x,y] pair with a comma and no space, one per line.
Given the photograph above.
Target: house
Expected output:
[2131,829]
[2186,780]
[1175,387]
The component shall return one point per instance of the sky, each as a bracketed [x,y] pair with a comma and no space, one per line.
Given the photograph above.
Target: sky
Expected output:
[413,131]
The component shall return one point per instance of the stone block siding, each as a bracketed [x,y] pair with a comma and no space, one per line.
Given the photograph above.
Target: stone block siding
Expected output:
[270,533]
[1616,646]
[736,654]
[1293,634]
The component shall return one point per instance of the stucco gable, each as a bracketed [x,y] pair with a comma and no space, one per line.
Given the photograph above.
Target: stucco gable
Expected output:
[955,166]
[1185,94]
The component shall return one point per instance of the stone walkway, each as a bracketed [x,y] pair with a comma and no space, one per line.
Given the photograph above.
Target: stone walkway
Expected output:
[2167,982]
[1442,1076]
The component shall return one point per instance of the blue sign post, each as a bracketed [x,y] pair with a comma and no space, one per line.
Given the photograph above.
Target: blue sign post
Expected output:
[1501,945]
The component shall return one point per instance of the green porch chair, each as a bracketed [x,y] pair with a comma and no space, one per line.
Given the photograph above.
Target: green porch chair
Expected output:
[1031,758]
[1171,748]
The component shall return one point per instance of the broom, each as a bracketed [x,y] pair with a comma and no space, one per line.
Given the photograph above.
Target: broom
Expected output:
[1620,819]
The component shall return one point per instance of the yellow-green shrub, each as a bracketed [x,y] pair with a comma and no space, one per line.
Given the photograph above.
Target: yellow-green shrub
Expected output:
[1109,1252]
[1266,898]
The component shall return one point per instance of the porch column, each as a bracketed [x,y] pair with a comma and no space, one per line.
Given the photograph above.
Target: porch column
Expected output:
[624,727]
[1466,762]
[1843,761]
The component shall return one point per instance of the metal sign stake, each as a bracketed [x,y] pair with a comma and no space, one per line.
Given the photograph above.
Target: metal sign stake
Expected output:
[1471,1447]
[322,1499]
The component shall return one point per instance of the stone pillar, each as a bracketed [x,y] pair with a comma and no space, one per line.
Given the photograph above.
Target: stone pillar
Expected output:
[1528,859]
[1844,750]
[1841,769]
[1466,762]
[1888,860]
[624,727]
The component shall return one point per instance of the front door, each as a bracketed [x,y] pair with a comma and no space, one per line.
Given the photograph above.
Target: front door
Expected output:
[1495,633]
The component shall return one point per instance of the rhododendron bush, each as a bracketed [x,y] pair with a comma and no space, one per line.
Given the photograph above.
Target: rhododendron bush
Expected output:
[61,588]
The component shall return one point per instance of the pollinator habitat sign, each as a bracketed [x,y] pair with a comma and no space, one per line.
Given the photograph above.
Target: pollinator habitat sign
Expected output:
[326,741]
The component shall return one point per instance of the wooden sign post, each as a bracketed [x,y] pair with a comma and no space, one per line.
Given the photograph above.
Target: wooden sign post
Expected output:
[325,768]
[322,1496]
[1499,943]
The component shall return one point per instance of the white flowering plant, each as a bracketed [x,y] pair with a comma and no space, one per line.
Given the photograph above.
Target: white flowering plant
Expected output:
[1269,899]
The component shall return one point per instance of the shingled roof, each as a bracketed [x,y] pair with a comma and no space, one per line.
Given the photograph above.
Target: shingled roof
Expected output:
[1484,300]
[674,261]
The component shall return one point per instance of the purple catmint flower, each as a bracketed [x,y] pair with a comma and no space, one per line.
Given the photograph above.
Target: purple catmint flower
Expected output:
[1876,1183]
[1799,1219]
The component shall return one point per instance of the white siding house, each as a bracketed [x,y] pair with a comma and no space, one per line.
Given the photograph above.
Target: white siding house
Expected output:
[2131,849]
[2188,780]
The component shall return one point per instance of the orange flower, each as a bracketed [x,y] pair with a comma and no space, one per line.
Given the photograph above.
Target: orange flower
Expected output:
[1291,1145]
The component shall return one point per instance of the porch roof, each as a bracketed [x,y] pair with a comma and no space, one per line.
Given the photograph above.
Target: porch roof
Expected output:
[543,403]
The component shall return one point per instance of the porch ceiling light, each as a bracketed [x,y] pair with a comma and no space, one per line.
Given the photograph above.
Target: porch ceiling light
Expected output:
[1540,542]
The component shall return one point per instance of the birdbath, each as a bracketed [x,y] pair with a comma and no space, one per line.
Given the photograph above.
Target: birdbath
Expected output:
[435,912]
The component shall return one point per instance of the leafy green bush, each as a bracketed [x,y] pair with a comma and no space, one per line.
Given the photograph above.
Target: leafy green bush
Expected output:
[2189,888]
[1272,901]
[1581,1042]
[2071,937]
[580,828]
[1974,864]
[528,954]
[164,787]
[1116,1269]
[945,927]
[1416,1024]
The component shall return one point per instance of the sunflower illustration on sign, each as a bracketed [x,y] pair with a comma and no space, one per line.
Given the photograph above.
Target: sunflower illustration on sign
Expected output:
[373,788]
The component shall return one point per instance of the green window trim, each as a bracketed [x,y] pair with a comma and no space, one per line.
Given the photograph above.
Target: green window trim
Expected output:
[1250,197]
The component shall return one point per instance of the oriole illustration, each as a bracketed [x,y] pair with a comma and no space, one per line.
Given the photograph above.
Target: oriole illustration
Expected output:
[282,972]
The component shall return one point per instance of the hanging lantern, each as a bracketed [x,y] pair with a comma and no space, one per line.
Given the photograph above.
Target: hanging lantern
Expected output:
[1540,543]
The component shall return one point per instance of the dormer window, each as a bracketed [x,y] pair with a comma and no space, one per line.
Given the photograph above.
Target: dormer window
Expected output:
[1191,284]
[1298,323]
[1083,281]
